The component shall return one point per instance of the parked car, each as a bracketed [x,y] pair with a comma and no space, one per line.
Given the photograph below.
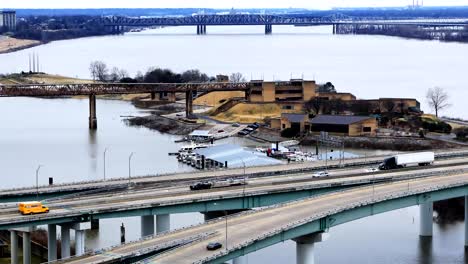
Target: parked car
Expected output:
[253,126]
[220,131]
[321,174]
[214,246]
[242,133]
[372,169]
[249,129]
[236,125]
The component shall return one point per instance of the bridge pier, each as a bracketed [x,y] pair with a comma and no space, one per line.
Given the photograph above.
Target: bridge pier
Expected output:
[147,225]
[79,242]
[305,252]
[65,240]
[153,96]
[163,223]
[466,222]
[51,242]
[268,29]
[426,213]
[240,260]
[201,29]
[188,104]
[26,248]
[14,246]
[334,29]
[92,112]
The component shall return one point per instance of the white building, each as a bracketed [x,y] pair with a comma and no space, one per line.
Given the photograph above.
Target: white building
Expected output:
[8,20]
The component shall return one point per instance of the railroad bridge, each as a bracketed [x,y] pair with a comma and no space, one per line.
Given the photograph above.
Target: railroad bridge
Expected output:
[340,22]
[93,89]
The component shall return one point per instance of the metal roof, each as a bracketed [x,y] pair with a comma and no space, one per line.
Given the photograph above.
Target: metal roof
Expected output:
[294,118]
[236,156]
[338,119]
[200,133]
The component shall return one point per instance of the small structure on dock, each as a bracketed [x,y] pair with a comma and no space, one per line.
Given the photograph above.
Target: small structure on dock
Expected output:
[200,136]
[230,156]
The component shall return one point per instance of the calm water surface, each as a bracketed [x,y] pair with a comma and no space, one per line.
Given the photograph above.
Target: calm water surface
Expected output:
[54,133]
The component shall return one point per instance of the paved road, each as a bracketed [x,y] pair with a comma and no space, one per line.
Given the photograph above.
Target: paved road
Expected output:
[246,227]
[171,178]
[151,197]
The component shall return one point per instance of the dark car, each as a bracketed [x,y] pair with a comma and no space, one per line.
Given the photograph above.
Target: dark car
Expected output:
[200,186]
[214,246]
[254,126]
[242,133]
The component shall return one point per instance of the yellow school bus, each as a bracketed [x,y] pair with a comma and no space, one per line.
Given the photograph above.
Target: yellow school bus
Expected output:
[30,208]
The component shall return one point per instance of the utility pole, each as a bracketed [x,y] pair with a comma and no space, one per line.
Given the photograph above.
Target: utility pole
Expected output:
[105,150]
[226,217]
[37,181]
[130,167]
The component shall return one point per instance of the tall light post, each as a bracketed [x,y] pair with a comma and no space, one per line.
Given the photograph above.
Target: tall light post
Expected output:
[130,167]
[37,181]
[243,185]
[226,217]
[105,150]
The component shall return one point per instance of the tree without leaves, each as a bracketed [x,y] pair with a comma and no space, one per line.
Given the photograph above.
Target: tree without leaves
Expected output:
[437,99]
[98,71]
[237,77]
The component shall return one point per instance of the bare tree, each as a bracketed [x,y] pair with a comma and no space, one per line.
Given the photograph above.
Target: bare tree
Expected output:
[117,74]
[237,77]
[98,70]
[437,99]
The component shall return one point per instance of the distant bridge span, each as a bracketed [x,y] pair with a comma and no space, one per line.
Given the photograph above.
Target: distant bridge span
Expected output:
[116,23]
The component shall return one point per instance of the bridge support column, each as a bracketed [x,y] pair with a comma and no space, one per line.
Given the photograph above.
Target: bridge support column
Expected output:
[466,221]
[94,224]
[163,223]
[425,214]
[92,112]
[65,240]
[203,29]
[334,29]
[198,29]
[305,247]
[153,96]
[26,248]
[14,246]
[147,225]
[268,29]
[188,104]
[51,242]
[79,242]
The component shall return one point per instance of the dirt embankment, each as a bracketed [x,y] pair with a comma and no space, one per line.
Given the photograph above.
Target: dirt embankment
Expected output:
[396,144]
[8,44]
[162,124]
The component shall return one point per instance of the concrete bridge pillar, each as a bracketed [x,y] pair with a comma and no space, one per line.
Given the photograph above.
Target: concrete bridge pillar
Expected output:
[14,246]
[466,221]
[305,247]
[198,30]
[204,30]
[26,248]
[334,29]
[153,96]
[92,112]
[80,229]
[65,240]
[147,225]
[188,103]
[426,213]
[163,223]
[268,29]
[51,242]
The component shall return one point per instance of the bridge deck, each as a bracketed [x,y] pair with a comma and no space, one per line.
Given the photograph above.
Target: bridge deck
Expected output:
[247,228]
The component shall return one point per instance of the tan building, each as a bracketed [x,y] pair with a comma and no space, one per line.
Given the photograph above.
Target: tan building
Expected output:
[337,96]
[289,91]
[340,125]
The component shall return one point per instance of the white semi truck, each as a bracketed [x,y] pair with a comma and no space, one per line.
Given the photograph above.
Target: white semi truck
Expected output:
[403,160]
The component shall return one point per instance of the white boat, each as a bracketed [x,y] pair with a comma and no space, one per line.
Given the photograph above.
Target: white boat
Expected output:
[193,146]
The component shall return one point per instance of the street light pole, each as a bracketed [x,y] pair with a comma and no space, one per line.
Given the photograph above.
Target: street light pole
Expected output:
[130,167]
[37,181]
[105,150]
[225,217]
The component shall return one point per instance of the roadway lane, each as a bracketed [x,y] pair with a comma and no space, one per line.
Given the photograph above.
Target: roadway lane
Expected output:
[148,198]
[202,175]
[248,226]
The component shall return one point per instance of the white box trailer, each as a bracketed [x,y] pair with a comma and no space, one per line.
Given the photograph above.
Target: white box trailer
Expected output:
[403,160]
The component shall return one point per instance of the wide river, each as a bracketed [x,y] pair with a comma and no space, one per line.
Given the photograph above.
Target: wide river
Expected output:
[54,133]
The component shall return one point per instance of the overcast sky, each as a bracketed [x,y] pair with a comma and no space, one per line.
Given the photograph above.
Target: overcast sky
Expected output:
[312,4]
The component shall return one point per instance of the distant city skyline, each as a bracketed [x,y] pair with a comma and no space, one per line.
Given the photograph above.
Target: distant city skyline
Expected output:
[310,4]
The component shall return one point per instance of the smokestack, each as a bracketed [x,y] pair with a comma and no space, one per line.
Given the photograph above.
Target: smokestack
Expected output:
[29,62]
[34,62]
[38,68]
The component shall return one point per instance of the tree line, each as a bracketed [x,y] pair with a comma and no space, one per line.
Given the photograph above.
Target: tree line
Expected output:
[101,72]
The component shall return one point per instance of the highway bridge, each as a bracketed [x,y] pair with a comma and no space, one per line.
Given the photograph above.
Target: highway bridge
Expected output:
[70,212]
[116,23]
[304,221]
[163,180]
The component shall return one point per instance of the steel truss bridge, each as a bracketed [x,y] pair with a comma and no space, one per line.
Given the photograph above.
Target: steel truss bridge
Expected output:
[40,90]
[259,19]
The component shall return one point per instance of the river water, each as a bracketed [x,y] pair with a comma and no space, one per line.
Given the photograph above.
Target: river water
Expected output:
[54,133]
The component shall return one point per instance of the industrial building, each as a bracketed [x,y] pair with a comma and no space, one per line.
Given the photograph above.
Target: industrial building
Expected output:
[7,21]
[281,91]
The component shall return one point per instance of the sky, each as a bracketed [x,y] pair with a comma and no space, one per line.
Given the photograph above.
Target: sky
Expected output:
[310,4]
